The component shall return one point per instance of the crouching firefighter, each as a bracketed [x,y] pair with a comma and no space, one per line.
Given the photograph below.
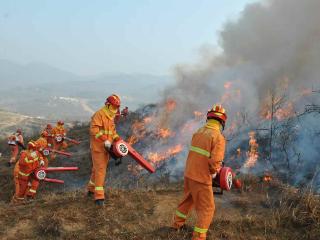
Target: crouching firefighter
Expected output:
[29,161]
[102,134]
[203,163]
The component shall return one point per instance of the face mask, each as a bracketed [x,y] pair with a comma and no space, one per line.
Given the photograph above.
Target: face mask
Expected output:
[113,109]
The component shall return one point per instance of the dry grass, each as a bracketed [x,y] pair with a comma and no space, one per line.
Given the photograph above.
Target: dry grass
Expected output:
[277,213]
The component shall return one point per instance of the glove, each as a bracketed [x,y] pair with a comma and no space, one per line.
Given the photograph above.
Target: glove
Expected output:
[41,163]
[107,144]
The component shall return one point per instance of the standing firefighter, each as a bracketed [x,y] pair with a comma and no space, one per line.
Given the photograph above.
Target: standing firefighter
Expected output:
[102,134]
[204,162]
[58,133]
[14,141]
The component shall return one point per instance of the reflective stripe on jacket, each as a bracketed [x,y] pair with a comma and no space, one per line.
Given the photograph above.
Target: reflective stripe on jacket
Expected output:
[102,128]
[206,154]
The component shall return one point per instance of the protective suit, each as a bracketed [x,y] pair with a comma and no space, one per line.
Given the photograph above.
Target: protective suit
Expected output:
[49,138]
[42,144]
[58,133]
[29,161]
[14,141]
[204,160]
[102,131]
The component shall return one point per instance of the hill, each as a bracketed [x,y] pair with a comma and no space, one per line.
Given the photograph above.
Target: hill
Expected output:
[144,210]
[53,93]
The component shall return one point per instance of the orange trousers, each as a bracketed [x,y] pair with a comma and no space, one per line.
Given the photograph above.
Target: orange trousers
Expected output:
[14,153]
[100,162]
[16,176]
[199,196]
[25,189]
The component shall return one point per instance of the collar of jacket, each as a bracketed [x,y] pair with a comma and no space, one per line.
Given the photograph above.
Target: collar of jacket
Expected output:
[108,113]
[214,124]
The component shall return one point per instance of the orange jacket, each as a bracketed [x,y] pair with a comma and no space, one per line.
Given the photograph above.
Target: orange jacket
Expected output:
[29,162]
[206,153]
[41,144]
[102,128]
[58,131]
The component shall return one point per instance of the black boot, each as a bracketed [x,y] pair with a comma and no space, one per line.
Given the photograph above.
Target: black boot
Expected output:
[99,202]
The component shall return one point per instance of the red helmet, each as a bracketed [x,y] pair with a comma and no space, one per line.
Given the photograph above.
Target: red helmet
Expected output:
[49,126]
[19,131]
[217,112]
[32,145]
[114,100]
[60,122]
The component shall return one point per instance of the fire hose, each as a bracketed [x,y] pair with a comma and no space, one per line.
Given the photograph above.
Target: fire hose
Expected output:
[120,149]
[60,138]
[225,179]
[46,152]
[41,173]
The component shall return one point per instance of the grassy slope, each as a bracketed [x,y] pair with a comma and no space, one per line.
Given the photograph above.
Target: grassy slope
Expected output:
[259,211]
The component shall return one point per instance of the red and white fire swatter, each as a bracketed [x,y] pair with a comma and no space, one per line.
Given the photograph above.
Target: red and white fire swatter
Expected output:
[122,149]
[225,178]
[41,173]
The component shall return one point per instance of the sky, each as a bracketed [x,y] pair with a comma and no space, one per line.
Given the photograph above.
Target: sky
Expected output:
[91,37]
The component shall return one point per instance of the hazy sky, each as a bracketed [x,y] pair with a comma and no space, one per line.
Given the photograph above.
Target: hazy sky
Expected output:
[91,36]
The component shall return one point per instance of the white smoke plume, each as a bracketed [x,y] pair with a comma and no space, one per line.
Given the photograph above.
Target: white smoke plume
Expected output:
[273,46]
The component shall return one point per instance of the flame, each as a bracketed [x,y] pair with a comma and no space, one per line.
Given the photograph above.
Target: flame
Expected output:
[230,93]
[165,133]
[170,105]
[280,114]
[138,132]
[252,154]
[157,157]
[238,152]
[267,178]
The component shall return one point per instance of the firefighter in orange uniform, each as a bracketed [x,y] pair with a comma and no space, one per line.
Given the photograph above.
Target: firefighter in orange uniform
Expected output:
[203,163]
[102,134]
[29,161]
[14,141]
[49,138]
[58,133]
[42,144]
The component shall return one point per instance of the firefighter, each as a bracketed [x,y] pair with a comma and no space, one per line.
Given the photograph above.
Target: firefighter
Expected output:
[102,134]
[29,161]
[49,138]
[14,141]
[42,144]
[203,163]
[58,133]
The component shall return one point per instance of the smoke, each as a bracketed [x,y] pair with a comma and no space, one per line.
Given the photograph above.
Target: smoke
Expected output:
[274,47]
[272,42]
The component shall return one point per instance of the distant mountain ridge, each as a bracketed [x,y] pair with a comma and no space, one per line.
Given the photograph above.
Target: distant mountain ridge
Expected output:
[40,90]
